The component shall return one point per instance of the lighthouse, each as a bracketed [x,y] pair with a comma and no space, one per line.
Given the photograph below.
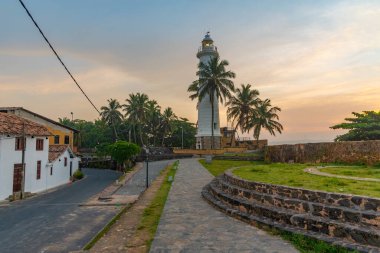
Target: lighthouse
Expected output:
[204,131]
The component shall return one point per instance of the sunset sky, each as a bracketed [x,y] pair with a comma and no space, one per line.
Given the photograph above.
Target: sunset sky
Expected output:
[317,60]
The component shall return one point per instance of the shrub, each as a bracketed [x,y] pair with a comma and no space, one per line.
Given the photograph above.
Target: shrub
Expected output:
[78,175]
[121,151]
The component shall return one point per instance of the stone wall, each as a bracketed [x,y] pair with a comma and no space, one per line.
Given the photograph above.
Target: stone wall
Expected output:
[367,152]
[346,220]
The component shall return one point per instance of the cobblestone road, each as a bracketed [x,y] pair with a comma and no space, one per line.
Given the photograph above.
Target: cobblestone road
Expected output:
[189,224]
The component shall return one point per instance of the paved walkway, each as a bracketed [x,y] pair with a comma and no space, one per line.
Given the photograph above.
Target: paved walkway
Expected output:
[137,184]
[189,224]
[316,171]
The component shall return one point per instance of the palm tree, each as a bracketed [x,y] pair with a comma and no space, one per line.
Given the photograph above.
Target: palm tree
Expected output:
[135,110]
[266,117]
[111,114]
[168,118]
[241,106]
[153,119]
[214,83]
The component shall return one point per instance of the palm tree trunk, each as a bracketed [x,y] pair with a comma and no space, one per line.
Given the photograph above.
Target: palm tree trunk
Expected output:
[212,121]
[141,138]
[134,133]
[114,131]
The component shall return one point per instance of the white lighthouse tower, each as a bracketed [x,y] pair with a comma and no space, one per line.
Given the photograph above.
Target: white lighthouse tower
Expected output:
[204,133]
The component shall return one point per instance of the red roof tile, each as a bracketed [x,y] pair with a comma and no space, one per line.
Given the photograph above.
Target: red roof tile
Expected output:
[13,125]
[56,151]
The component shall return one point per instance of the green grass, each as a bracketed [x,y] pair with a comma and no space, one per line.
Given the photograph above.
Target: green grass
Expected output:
[354,171]
[293,175]
[309,245]
[152,213]
[217,167]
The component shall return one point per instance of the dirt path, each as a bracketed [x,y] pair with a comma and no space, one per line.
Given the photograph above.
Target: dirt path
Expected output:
[122,236]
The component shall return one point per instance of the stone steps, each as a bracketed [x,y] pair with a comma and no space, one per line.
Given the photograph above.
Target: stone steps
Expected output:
[343,214]
[353,228]
[262,221]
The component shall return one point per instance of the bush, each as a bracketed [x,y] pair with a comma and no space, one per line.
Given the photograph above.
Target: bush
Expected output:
[121,151]
[78,175]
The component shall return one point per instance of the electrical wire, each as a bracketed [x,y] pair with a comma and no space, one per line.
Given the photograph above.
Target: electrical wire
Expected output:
[56,54]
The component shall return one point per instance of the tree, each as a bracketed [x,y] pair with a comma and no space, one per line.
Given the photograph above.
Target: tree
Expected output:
[265,117]
[214,83]
[189,132]
[154,118]
[135,110]
[111,114]
[242,106]
[363,126]
[122,151]
[168,118]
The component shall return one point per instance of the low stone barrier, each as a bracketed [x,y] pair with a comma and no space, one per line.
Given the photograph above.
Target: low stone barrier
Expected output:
[346,220]
[367,152]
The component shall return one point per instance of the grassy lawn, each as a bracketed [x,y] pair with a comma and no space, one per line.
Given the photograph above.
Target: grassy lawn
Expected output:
[151,216]
[354,171]
[217,167]
[293,175]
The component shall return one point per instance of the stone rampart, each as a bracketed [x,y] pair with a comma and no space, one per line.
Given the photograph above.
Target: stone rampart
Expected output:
[346,220]
[367,152]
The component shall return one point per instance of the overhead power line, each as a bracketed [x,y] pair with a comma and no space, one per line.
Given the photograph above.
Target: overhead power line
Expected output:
[56,54]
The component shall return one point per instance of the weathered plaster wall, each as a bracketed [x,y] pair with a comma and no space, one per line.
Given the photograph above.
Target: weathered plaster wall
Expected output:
[348,152]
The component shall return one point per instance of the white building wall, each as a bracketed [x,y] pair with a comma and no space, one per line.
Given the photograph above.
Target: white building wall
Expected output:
[61,173]
[9,157]
[32,184]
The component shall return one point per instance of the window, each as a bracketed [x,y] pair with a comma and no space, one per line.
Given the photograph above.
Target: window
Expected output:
[65,161]
[19,145]
[67,139]
[56,139]
[39,144]
[215,125]
[38,170]
[51,170]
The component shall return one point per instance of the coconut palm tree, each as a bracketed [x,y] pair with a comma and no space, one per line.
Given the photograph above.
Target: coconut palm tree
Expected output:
[111,114]
[214,83]
[241,106]
[154,118]
[266,117]
[135,110]
[168,117]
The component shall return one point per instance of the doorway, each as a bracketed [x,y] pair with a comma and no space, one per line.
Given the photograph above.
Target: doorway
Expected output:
[17,177]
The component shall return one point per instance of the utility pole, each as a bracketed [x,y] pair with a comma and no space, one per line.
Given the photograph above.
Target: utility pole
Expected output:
[182,136]
[72,116]
[147,167]
[23,141]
